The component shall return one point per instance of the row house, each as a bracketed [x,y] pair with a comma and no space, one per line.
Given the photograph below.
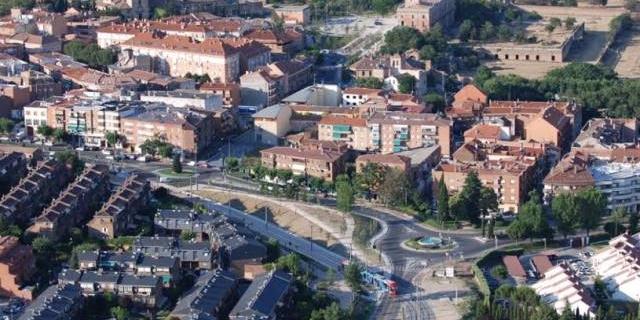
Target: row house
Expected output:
[57,302]
[74,204]
[388,132]
[235,250]
[210,298]
[188,129]
[142,290]
[177,56]
[116,215]
[316,161]
[136,263]
[561,288]
[618,266]
[17,265]
[192,254]
[510,179]
[264,297]
[13,166]
[34,191]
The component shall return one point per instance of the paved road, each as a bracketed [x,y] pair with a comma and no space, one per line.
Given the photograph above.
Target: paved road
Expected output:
[292,242]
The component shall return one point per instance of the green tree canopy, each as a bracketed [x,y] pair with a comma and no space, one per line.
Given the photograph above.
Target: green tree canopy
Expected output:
[6,125]
[406,83]
[345,194]
[591,205]
[565,213]
[401,39]
[443,200]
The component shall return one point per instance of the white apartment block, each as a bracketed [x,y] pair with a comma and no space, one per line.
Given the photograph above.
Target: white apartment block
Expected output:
[35,115]
[619,268]
[559,286]
[619,182]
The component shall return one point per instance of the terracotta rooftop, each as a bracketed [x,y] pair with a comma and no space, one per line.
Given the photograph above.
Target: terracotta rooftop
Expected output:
[385,159]
[573,170]
[542,263]
[483,131]
[334,120]
[514,267]
[210,46]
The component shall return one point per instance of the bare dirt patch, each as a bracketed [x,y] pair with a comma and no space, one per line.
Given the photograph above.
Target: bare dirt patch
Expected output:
[283,217]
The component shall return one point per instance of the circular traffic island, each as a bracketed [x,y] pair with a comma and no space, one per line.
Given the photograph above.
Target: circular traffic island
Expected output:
[430,244]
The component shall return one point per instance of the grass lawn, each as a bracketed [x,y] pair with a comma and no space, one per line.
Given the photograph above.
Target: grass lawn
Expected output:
[168,172]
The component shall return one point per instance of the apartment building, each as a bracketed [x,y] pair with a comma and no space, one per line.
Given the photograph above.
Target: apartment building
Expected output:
[267,86]
[211,297]
[115,216]
[399,131]
[424,14]
[154,81]
[618,266]
[602,137]
[11,66]
[615,178]
[74,204]
[17,265]
[188,129]
[13,166]
[561,286]
[177,55]
[352,131]
[253,54]
[510,179]
[57,302]
[35,43]
[184,99]
[94,80]
[317,161]
[230,92]
[34,191]
[392,161]
[263,297]
[192,254]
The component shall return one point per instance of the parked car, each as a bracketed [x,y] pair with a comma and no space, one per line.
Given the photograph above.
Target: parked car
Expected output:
[203,164]
[81,148]
[191,163]
[144,158]
[106,152]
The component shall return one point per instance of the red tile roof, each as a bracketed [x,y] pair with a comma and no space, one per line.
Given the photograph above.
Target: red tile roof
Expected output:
[541,263]
[514,267]
[333,120]
[210,46]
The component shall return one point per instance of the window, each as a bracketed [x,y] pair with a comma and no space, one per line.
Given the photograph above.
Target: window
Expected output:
[526,57]
[506,57]
[537,58]
[517,57]
[553,58]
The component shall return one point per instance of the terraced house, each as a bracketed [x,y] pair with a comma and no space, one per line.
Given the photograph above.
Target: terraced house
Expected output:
[34,191]
[74,204]
[117,213]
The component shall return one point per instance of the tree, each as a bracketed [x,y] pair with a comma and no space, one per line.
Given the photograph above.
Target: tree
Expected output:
[491,226]
[344,193]
[504,33]
[530,221]
[488,31]
[112,138]
[353,276]
[119,313]
[332,312]
[382,6]
[187,235]
[443,200]
[400,39]
[591,205]
[406,83]
[369,82]
[6,126]
[436,101]
[176,164]
[466,31]
[569,23]
[165,150]
[45,131]
[59,134]
[71,159]
[618,216]
[488,203]
[457,207]
[555,22]
[565,213]
[471,193]
[92,54]
[371,177]
[396,188]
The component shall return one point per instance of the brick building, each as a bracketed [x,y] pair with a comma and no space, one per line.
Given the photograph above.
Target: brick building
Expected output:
[424,14]
[317,160]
